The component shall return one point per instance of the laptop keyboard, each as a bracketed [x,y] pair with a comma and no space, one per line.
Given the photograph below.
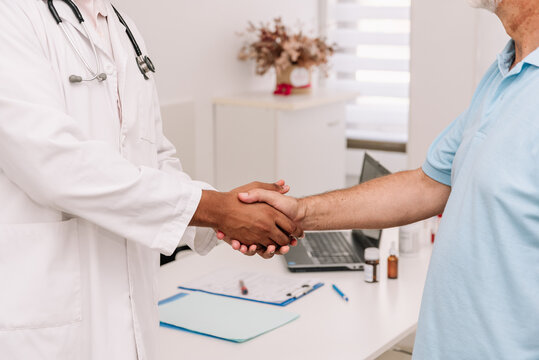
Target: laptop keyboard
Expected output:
[330,248]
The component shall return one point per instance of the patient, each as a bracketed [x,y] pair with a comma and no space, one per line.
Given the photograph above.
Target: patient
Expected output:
[480,297]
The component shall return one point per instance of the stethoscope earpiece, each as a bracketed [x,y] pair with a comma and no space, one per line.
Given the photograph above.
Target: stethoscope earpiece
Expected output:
[78,79]
[75,79]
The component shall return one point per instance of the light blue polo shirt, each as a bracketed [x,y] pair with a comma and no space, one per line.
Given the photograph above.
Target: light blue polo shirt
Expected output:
[481,298]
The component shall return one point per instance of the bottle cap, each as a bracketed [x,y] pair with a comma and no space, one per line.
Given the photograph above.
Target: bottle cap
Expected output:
[372,254]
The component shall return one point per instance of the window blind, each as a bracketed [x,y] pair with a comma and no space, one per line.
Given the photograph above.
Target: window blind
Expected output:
[373,38]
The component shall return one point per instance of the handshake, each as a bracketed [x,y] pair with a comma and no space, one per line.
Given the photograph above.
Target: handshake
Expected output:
[259,218]
[254,218]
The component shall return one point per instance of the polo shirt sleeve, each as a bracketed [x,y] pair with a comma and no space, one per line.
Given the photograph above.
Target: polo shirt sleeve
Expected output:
[442,151]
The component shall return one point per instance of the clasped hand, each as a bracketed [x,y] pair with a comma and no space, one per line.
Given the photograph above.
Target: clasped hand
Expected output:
[273,220]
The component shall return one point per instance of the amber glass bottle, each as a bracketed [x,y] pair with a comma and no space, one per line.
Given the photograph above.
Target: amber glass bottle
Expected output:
[392,263]
[372,260]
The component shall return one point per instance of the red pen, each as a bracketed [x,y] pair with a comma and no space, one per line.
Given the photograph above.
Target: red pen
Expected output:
[243,288]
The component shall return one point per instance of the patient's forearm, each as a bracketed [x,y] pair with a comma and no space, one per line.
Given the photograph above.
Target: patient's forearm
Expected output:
[393,200]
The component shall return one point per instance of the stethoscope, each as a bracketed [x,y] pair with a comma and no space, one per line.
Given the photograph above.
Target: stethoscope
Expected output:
[144,63]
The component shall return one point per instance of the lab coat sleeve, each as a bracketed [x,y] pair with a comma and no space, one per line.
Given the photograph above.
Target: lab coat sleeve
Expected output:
[45,153]
[201,240]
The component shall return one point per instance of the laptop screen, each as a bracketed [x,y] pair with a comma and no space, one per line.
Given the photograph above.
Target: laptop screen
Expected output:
[372,169]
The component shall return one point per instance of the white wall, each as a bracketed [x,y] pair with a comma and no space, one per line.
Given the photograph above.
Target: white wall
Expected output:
[451,47]
[194,45]
[491,38]
[179,126]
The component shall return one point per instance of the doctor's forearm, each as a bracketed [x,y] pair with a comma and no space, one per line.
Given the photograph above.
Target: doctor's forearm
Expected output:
[393,200]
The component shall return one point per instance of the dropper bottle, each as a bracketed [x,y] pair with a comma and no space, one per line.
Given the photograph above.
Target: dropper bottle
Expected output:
[392,263]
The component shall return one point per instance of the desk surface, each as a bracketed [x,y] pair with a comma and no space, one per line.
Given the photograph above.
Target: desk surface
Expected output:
[377,317]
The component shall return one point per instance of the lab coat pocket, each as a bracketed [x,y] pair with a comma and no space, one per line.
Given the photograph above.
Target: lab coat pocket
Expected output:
[39,275]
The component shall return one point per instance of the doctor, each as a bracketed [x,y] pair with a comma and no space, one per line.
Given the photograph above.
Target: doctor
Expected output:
[90,190]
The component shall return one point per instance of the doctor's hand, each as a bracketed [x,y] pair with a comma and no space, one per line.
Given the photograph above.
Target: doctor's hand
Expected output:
[253,224]
[266,253]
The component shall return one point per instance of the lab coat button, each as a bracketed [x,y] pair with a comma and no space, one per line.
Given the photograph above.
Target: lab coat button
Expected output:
[109,69]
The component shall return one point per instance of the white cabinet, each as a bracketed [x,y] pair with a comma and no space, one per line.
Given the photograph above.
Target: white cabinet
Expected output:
[300,139]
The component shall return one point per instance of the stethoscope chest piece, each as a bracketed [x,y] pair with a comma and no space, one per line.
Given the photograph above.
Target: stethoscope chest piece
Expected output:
[145,65]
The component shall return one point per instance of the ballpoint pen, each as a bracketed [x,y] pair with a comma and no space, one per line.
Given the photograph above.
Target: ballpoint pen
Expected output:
[338,291]
[243,288]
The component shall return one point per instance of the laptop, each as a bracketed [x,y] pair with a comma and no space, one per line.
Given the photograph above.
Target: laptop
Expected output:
[337,250]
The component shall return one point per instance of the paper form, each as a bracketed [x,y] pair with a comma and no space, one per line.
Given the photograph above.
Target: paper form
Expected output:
[261,287]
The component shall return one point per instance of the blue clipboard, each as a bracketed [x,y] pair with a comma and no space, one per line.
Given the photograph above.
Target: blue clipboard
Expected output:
[220,317]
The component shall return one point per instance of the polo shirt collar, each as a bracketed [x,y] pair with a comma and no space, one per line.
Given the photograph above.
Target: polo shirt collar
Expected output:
[506,57]
[533,58]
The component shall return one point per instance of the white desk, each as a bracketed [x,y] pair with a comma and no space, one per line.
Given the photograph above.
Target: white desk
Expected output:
[377,317]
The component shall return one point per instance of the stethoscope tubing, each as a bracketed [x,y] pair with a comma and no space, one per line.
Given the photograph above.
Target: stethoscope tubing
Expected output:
[79,55]
[128,31]
[143,62]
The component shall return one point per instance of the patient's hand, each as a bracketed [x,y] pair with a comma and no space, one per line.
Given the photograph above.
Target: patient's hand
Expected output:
[293,208]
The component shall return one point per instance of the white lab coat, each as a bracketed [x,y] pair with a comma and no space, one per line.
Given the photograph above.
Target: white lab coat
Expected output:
[87,203]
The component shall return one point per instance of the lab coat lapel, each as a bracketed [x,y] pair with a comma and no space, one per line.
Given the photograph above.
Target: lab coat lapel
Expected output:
[67,16]
[122,50]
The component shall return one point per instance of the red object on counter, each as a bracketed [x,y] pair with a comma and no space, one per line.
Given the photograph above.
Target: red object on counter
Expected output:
[286,89]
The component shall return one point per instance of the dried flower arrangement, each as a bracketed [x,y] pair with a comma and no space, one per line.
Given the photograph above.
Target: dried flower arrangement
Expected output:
[278,47]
